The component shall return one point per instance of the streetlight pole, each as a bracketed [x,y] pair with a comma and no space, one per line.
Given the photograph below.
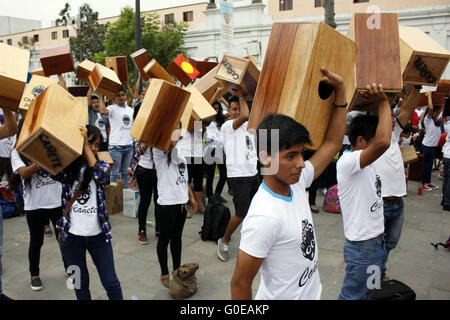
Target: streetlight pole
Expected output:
[137,34]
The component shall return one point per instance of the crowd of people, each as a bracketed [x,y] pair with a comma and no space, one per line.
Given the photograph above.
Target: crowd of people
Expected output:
[275,208]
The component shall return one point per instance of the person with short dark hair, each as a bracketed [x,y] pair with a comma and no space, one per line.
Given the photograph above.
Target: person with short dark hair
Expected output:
[96,118]
[277,236]
[359,191]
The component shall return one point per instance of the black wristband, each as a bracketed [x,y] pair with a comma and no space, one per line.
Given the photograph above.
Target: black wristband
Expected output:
[418,86]
[341,106]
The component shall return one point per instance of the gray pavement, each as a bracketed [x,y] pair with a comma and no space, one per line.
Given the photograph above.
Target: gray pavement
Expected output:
[414,261]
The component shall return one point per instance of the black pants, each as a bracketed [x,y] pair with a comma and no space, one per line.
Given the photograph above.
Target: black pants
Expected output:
[210,171]
[171,226]
[195,172]
[5,167]
[147,183]
[36,220]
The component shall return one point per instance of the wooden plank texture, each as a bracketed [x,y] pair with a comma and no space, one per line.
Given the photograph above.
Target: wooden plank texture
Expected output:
[141,58]
[84,69]
[34,88]
[119,65]
[208,84]
[154,70]
[104,81]
[57,60]
[201,109]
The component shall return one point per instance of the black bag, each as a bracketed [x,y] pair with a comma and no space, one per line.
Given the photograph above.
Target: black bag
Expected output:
[394,290]
[215,221]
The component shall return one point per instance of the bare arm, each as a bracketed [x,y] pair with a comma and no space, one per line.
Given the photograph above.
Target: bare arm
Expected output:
[243,115]
[62,82]
[87,152]
[336,127]
[27,172]
[192,200]
[9,128]
[89,94]
[246,269]
[138,86]
[409,104]
[103,109]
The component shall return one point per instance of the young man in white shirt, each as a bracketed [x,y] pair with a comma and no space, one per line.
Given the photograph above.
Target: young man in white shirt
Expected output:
[277,236]
[120,141]
[359,190]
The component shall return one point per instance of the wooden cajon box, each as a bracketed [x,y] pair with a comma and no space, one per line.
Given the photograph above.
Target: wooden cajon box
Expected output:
[38,72]
[119,65]
[104,81]
[208,84]
[160,114]
[415,168]
[183,70]
[290,77]
[57,60]
[238,73]
[33,89]
[110,198]
[378,57]
[155,71]
[423,60]
[203,66]
[186,119]
[443,87]
[13,75]
[119,195]
[201,109]
[78,91]
[84,69]
[409,154]
[438,99]
[141,58]
[50,134]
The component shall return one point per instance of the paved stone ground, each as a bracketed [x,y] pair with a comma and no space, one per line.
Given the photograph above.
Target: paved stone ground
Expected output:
[414,261]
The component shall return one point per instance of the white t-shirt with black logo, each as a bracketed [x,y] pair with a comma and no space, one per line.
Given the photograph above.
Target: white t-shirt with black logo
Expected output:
[280,229]
[42,193]
[84,211]
[101,125]
[121,121]
[172,178]
[146,161]
[432,132]
[240,150]
[390,167]
[191,145]
[359,191]
[6,146]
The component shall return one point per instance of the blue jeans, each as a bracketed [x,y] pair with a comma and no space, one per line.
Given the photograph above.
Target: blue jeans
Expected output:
[360,256]
[1,248]
[122,156]
[445,185]
[74,251]
[393,224]
[428,158]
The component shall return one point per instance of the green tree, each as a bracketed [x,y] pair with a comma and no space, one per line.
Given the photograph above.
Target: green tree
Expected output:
[28,44]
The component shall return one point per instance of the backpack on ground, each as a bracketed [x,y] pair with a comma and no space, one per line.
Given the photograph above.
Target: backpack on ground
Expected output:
[394,290]
[331,200]
[215,221]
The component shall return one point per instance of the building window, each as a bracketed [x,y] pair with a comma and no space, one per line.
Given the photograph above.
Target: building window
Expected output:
[25,40]
[65,33]
[318,3]
[188,16]
[36,38]
[9,41]
[1,41]
[54,35]
[169,18]
[359,1]
[285,5]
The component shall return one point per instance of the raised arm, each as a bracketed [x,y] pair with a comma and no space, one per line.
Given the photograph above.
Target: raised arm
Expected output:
[103,109]
[89,94]
[409,104]
[9,128]
[62,82]
[243,114]
[138,86]
[336,127]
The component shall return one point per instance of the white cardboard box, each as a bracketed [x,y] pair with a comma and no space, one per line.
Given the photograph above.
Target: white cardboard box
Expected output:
[130,203]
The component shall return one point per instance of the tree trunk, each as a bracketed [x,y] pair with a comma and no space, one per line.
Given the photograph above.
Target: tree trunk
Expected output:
[329,13]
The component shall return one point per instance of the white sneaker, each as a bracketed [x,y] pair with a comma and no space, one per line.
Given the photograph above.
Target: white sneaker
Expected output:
[222,250]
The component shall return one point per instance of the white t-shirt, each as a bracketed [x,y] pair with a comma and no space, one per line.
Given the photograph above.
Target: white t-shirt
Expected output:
[213,132]
[446,147]
[405,142]
[42,193]
[359,192]
[145,161]
[240,150]
[101,125]
[191,145]
[121,121]
[390,167]
[280,230]
[6,146]
[84,211]
[172,178]
[432,132]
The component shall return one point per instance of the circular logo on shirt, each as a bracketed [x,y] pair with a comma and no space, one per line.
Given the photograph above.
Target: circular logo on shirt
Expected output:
[37,90]
[378,186]
[308,242]
[84,197]
[182,168]
[126,120]
[101,124]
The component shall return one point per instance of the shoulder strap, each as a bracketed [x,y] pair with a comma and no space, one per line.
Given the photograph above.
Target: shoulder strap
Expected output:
[69,205]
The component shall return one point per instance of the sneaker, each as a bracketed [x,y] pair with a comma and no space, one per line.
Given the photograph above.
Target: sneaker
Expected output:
[36,284]
[432,186]
[47,231]
[142,237]
[426,187]
[222,250]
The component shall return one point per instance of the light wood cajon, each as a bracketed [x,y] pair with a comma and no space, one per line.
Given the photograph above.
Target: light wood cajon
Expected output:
[104,81]
[34,88]
[238,74]
[183,70]
[106,157]
[208,84]
[13,75]
[201,109]
[141,58]
[160,114]
[57,60]
[84,70]
[290,78]
[154,70]
[409,154]
[119,65]
[50,134]
[423,59]
[38,72]
[378,57]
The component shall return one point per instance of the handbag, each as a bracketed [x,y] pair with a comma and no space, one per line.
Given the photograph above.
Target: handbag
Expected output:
[184,283]
[69,205]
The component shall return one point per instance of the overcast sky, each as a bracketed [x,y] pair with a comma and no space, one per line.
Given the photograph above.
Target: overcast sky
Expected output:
[48,10]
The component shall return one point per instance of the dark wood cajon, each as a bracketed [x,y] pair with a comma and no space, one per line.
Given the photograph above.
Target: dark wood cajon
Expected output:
[78,91]
[84,69]
[119,65]
[378,57]
[154,70]
[436,97]
[57,60]
[444,87]
[104,81]
[13,75]
[203,66]
[238,74]
[183,70]
[51,135]
[160,114]
[141,58]
[423,59]
[290,77]
[208,84]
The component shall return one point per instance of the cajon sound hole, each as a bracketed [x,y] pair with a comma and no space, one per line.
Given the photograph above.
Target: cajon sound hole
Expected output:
[325,90]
